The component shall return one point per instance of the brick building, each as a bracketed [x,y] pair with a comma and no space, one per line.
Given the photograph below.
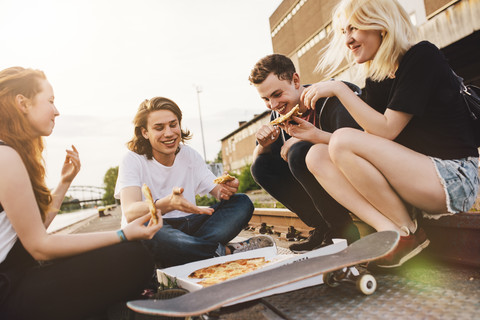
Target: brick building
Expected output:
[299,30]
[237,146]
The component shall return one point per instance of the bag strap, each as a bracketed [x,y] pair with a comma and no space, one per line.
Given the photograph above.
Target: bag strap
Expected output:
[465,92]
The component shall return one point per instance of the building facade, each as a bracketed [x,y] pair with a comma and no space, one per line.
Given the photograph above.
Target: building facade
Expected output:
[237,146]
[300,28]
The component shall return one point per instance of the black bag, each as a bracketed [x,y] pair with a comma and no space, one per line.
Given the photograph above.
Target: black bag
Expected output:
[471,96]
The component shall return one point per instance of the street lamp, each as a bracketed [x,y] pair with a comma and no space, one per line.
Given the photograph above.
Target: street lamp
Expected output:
[199,89]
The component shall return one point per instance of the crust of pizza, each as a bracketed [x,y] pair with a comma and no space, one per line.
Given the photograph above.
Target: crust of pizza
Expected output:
[225,178]
[151,204]
[223,271]
[287,117]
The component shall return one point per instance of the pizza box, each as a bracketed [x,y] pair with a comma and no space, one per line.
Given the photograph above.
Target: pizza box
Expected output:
[179,274]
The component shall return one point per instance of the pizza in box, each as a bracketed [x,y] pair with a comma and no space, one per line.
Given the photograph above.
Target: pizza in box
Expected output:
[224,271]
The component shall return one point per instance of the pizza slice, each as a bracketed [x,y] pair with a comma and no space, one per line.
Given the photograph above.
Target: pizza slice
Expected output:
[225,178]
[151,204]
[287,117]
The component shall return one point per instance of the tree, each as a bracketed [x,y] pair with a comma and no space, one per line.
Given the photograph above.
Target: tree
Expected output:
[246,180]
[219,158]
[109,180]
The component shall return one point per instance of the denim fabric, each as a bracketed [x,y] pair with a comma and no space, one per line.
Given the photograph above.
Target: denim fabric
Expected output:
[199,236]
[460,180]
[297,189]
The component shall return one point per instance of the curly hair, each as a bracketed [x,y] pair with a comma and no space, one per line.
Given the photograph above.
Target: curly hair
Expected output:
[280,65]
[139,144]
[16,131]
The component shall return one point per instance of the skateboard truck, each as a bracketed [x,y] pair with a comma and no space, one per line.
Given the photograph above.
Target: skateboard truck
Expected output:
[364,281]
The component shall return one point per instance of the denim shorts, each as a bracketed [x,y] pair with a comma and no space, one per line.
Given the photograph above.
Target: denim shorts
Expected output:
[459,178]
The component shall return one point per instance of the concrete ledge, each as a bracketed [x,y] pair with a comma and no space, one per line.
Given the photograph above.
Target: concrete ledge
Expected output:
[455,238]
[280,219]
[452,238]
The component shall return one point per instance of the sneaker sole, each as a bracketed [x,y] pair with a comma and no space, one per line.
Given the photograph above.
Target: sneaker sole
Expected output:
[409,256]
[305,251]
[271,243]
[300,251]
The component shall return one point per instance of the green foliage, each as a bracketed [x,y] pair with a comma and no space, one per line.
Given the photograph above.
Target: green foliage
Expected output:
[219,158]
[274,204]
[69,204]
[246,180]
[171,283]
[109,180]
[205,200]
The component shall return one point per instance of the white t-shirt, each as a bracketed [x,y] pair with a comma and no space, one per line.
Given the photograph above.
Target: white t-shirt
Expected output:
[188,171]
[8,236]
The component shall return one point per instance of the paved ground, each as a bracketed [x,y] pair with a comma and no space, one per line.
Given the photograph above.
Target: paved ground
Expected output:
[423,288]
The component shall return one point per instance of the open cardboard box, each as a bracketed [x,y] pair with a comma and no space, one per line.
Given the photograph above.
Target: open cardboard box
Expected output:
[180,273]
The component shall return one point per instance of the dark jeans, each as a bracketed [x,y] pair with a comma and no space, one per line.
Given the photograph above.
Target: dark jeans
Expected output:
[199,236]
[297,189]
[76,287]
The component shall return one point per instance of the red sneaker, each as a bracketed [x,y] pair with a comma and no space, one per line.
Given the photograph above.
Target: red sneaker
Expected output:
[408,247]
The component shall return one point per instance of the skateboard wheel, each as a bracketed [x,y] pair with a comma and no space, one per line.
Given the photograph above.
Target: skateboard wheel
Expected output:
[367,284]
[329,280]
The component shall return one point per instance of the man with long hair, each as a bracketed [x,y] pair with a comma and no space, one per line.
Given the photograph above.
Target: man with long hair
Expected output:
[175,173]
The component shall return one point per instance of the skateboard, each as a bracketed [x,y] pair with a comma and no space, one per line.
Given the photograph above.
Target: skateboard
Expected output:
[332,266]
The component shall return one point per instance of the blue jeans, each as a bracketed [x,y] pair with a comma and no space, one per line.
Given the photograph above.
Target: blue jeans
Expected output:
[199,236]
[459,179]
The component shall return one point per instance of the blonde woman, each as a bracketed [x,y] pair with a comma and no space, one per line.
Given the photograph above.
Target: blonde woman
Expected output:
[80,275]
[417,148]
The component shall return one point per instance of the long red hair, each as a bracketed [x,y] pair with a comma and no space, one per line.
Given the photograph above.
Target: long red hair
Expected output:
[15,129]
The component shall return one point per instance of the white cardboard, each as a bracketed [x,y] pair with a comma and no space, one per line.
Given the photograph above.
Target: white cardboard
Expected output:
[180,273]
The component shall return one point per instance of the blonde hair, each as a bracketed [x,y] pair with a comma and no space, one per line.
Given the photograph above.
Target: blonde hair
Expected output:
[386,16]
[16,131]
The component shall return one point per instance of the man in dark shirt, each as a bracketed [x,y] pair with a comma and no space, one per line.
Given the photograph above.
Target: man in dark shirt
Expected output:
[279,160]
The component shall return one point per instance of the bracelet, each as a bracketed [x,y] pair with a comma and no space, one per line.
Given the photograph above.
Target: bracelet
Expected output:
[121,235]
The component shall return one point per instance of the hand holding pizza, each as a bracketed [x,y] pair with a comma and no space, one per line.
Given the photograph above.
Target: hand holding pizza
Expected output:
[137,230]
[151,203]
[226,187]
[302,130]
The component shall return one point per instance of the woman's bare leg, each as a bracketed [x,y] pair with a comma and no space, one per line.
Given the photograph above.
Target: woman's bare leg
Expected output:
[381,173]
[335,183]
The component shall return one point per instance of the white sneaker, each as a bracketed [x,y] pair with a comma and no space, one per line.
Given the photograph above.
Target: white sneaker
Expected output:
[252,244]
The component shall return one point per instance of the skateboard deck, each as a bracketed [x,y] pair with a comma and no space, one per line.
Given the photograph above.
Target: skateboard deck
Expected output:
[368,248]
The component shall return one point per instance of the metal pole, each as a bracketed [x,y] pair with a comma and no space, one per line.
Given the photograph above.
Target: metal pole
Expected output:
[198,89]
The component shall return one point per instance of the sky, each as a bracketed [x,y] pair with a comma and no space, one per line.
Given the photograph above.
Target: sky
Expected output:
[103,58]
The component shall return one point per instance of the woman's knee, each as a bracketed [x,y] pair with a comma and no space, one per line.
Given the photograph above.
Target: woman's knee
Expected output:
[315,158]
[342,143]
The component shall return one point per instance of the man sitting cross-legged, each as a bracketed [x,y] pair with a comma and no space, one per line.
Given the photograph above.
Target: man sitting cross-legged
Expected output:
[175,174]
